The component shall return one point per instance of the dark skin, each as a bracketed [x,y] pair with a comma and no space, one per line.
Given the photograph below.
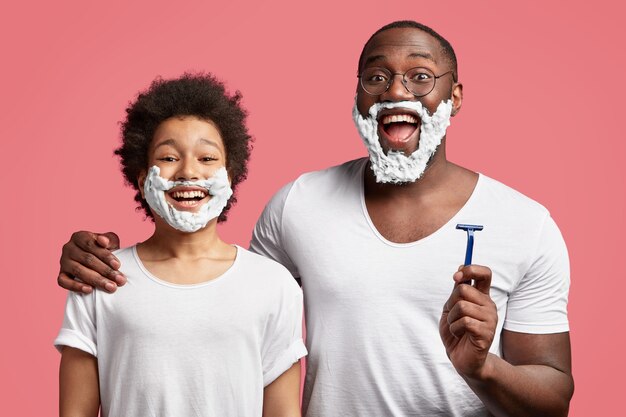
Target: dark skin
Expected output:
[88,256]
[533,377]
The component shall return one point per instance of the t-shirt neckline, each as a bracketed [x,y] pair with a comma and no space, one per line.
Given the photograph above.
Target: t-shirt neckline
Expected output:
[213,281]
[425,239]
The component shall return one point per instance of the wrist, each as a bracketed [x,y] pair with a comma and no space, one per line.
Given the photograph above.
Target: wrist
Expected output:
[486,372]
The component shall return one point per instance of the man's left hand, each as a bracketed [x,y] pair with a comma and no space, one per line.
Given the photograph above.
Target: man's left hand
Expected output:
[468,321]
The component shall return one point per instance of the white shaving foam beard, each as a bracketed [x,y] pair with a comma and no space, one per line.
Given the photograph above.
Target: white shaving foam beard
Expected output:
[218,187]
[395,167]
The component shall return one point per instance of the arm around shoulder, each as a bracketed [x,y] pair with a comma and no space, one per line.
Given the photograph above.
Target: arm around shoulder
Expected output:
[87,256]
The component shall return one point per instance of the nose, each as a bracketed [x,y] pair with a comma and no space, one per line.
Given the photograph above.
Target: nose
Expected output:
[397,91]
[187,170]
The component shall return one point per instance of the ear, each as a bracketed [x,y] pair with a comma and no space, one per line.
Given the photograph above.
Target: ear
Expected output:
[457,98]
[141,180]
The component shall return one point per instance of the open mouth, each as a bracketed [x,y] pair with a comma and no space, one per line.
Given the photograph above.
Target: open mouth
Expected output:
[187,197]
[398,127]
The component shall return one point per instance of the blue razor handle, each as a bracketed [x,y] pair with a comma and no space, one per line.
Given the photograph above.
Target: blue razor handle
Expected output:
[469,228]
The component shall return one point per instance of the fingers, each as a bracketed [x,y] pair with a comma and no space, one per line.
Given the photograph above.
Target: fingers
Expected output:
[480,332]
[96,245]
[480,275]
[470,310]
[479,321]
[71,284]
[465,308]
[89,276]
[468,293]
[108,240]
[84,258]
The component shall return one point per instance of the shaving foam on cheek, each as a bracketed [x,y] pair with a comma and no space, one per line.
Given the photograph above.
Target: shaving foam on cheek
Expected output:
[396,167]
[218,187]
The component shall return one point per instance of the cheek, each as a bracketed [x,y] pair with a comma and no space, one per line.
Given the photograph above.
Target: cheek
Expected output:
[431,106]
[431,103]
[363,102]
[166,170]
[213,171]
[437,96]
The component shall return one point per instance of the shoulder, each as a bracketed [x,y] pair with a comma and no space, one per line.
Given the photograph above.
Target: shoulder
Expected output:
[514,224]
[312,189]
[345,172]
[263,270]
[338,174]
[127,257]
[509,200]
[334,183]
[125,252]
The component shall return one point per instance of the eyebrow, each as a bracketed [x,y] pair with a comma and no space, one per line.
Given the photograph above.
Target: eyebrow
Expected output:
[425,55]
[172,142]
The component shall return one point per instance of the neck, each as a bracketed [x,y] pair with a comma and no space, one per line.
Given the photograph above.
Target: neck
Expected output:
[168,242]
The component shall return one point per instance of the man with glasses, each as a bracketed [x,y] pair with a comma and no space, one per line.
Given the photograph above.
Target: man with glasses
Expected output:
[394,326]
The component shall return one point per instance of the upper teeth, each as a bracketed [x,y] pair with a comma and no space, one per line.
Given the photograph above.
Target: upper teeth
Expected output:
[396,118]
[188,194]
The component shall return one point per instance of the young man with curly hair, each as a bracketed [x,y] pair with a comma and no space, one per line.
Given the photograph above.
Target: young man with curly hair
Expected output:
[204,328]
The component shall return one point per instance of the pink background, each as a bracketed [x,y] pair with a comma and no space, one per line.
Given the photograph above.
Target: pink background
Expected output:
[543,84]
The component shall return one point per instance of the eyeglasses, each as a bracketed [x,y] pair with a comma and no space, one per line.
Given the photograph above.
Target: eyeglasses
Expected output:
[418,81]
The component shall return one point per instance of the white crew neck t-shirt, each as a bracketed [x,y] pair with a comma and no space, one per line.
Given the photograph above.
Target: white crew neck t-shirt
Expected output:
[373,306]
[206,349]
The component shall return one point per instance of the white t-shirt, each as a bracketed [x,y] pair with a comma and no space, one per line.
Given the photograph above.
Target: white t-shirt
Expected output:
[207,349]
[372,306]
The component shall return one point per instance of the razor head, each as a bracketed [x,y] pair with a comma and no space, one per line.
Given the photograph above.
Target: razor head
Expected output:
[469,227]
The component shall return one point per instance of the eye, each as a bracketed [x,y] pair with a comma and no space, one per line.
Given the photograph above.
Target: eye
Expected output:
[374,76]
[208,159]
[377,78]
[167,159]
[420,77]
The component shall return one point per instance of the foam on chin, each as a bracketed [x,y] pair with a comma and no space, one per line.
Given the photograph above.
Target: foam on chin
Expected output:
[395,167]
[218,187]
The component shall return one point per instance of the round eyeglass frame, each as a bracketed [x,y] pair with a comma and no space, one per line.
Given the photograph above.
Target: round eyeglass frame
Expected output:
[404,81]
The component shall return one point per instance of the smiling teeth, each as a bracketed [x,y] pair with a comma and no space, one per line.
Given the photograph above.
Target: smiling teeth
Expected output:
[188,194]
[399,118]
[188,203]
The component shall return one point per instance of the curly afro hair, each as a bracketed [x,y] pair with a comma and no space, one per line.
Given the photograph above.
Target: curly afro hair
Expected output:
[200,95]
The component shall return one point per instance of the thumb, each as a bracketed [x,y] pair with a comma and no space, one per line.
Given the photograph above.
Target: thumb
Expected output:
[108,240]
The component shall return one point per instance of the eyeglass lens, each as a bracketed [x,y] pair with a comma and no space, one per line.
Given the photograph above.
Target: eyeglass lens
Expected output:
[419,81]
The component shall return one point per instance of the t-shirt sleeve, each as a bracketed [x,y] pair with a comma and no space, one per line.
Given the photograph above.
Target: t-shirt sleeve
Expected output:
[539,302]
[79,324]
[267,238]
[282,341]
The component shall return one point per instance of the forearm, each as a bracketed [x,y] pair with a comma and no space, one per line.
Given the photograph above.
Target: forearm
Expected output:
[523,390]
[79,394]
[281,398]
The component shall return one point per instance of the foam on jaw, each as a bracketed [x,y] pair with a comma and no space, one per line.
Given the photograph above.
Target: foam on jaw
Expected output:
[396,167]
[218,187]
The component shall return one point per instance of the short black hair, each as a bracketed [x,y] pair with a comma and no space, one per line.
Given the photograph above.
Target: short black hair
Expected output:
[193,94]
[446,48]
